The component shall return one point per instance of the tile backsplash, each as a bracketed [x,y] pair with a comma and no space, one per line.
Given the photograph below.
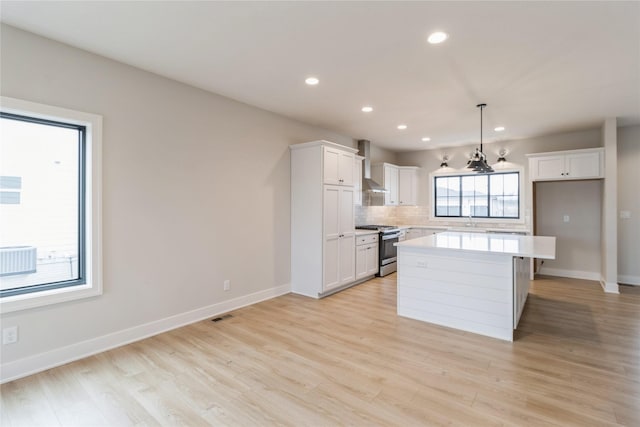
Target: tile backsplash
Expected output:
[392,215]
[383,215]
[418,215]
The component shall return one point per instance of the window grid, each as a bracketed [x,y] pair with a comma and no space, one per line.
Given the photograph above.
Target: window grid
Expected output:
[497,203]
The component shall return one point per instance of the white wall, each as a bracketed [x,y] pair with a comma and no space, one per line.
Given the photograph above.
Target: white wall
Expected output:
[195,191]
[577,241]
[629,200]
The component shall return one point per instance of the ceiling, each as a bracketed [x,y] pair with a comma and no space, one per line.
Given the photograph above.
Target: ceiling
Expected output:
[542,67]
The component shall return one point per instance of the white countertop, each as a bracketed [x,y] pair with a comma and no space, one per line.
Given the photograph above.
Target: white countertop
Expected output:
[543,247]
[478,228]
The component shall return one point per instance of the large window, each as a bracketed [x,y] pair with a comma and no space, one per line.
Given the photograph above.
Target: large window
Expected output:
[49,191]
[495,195]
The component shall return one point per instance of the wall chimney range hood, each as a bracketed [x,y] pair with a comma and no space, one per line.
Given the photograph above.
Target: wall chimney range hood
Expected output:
[368,184]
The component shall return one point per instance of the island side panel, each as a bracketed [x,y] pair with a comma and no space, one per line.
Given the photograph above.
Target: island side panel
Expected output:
[462,290]
[521,280]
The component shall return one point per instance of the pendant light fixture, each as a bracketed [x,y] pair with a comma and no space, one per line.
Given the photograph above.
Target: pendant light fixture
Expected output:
[478,162]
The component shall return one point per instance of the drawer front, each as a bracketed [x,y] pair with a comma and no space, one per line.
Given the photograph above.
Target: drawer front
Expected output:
[367,239]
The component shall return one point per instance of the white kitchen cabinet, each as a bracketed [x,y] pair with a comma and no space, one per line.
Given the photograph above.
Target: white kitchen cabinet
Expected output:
[339,236]
[322,219]
[407,185]
[357,179]
[567,165]
[338,166]
[386,175]
[400,181]
[366,256]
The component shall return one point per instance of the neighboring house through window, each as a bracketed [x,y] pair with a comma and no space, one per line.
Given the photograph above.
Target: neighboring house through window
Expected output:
[49,204]
[495,195]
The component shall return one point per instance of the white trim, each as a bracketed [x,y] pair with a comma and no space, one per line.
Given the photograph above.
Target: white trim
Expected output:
[572,274]
[555,153]
[609,287]
[629,280]
[37,363]
[323,143]
[463,220]
[93,199]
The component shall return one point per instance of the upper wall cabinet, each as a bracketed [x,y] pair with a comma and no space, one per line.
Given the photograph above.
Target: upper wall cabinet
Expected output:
[401,181]
[386,175]
[357,179]
[407,185]
[338,166]
[565,165]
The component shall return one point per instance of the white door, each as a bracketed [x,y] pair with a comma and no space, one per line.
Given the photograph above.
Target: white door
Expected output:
[583,165]
[331,161]
[357,180]
[347,259]
[331,264]
[361,261]
[372,259]
[348,236]
[551,167]
[339,236]
[345,168]
[391,184]
[407,187]
[331,237]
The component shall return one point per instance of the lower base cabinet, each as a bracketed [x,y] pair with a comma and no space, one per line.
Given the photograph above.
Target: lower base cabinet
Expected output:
[366,256]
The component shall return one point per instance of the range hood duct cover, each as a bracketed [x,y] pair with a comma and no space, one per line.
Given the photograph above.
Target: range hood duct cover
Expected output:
[364,149]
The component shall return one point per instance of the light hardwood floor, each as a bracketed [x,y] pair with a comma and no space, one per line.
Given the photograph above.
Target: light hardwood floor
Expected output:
[348,359]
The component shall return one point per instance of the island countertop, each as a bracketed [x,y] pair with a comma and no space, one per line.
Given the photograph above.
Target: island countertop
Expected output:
[543,247]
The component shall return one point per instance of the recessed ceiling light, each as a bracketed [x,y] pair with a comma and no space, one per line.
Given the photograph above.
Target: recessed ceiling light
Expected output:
[367,109]
[426,139]
[437,37]
[499,129]
[402,127]
[312,81]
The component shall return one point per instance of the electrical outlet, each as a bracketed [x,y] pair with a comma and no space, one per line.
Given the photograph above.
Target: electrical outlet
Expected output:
[566,218]
[10,335]
[227,285]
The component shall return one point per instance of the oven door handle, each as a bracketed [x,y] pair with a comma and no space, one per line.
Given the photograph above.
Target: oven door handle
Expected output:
[390,236]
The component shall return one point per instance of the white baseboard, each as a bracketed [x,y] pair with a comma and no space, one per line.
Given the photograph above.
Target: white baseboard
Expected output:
[609,287]
[40,362]
[629,280]
[573,274]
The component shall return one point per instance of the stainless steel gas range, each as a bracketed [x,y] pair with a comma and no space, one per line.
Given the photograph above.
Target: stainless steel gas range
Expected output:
[387,252]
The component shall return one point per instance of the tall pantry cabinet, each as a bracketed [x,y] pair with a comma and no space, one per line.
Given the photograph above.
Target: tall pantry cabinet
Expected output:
[322,217]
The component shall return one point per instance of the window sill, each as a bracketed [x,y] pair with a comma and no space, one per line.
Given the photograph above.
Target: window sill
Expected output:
[53,296]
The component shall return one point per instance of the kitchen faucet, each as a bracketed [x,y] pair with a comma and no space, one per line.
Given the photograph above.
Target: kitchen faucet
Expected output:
[470,223]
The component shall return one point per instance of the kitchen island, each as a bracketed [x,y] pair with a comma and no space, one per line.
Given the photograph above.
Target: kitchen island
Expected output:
[476,282]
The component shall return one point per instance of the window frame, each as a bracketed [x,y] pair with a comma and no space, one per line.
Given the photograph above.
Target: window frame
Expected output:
[91,203]
[480,219]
